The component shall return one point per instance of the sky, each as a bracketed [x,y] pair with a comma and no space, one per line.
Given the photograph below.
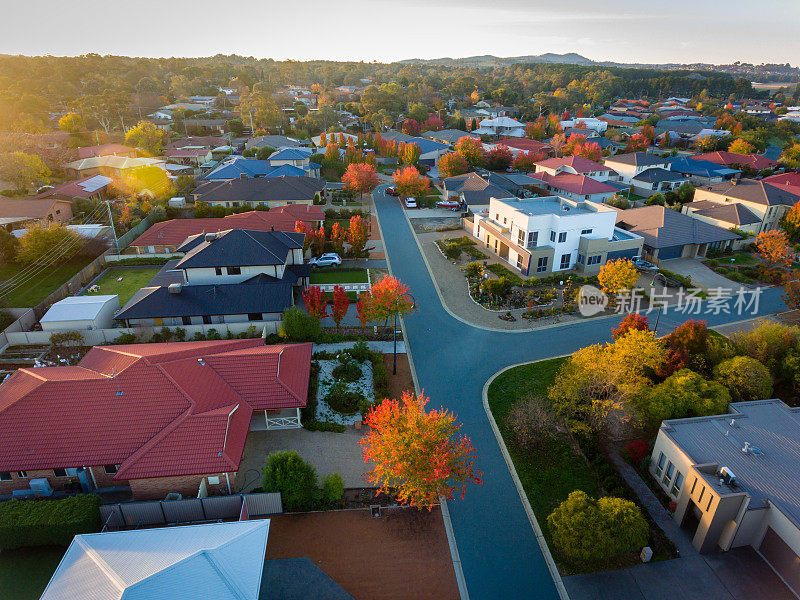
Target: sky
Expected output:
[684,31]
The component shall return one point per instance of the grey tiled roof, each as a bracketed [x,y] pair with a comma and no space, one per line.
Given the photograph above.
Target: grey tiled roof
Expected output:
[663,227]
[242,247]
[260,189]
[638,159]
[657,175]
[734,213]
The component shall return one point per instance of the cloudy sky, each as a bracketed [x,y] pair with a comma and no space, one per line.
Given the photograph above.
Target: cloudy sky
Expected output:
[717,31]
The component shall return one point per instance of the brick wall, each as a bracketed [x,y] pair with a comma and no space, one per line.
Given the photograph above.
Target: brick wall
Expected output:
[156,488]
[57,483]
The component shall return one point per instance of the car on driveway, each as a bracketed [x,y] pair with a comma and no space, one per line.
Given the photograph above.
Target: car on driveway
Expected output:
[411,203]
[642,265]
[390,191]
[449,204]
[329,259]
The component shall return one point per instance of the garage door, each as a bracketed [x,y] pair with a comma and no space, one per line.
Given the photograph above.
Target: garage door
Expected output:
[670,252]
[782,559]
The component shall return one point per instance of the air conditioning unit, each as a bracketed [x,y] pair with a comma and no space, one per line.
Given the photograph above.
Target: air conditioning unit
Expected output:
[727,476]
[41,487]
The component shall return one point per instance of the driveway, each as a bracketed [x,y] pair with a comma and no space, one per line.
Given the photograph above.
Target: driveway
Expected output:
[740,574]
[327,452]
[452,361]
[701,275]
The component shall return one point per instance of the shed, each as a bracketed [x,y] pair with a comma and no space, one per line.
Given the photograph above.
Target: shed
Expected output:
[80,313]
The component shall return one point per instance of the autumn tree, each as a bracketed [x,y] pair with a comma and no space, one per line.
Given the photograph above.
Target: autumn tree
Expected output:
[341,302]
[452,164]
[318,241]
[632,321]
[338,237]
[147,137]
[332,151]
[525,162]
[790,157]
[316,302]
[410,154]
[410,127]
[791,222]
[357,234]
[23,169]
[364,309]
[499,158]
[741,147]
[360,178]
[299,227]
[391,299]
[408,182]
[774,249]
[432,123]
[71,123]
[418,454]
[472,151]
[637,143]
[48,243]
[617,276]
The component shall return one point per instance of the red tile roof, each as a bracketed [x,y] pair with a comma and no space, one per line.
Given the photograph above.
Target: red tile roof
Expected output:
[282,218]
[578,163]
[526,144]
[575,184]
[730,158]
[785,181]
[72,189]
[184,408]
[106,150]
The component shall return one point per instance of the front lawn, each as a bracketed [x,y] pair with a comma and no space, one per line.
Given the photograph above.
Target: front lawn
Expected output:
[327,276]
[24,572]
[132,281]
[40,287]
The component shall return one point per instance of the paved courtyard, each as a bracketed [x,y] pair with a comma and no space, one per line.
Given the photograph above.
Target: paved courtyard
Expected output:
[328,452]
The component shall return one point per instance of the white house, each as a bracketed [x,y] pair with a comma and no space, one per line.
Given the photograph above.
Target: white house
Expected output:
[501,126]
[81,313]
[585,123]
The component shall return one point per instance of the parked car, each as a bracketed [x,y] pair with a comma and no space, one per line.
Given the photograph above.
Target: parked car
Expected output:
[642,265]
[329,259]
[390,191]
[451,204]
[411,202]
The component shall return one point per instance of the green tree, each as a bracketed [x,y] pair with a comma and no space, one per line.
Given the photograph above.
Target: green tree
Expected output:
[49,243]
[299,326]
[9,246]
[264,152]
[23,169]
[71,123]
[746,378]
[333,487]
[294,478]
[147,137]
[591,530]
[683,394]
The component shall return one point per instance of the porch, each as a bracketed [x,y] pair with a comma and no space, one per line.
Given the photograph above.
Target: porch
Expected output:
[269,420]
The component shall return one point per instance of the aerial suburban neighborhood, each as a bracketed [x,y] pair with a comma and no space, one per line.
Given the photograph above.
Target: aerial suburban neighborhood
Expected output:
[318,320]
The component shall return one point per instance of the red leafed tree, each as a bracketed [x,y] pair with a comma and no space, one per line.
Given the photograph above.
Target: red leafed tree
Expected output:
[341,302]
[410,127]
[338,237]
[773,248]
[409,182]
[301,227]
[390,297]
[433,123]
[565,116]
[499,158]
[357,234]
[417,454]
[364,309]
[525,162]
[316,302]
[631,322]
[637,143]
[579,114]
[452,164]
[649,132]
[360,178]
[577,146]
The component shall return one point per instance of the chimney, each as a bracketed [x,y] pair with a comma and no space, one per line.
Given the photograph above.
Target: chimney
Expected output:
[174,288]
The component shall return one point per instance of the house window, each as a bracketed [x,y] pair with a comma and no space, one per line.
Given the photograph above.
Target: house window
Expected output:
[586,231]
[521,238]
[22,474]
[580,259]
[505,220]
[676,485]
[206,320]
[186,320]
[594,260]
[565,258]
[562,237]
[234,270]
[700,498]
[519,261]
[694,485]
[253,316]
[497,217]
[111,469]
[669,472]
[541,266]
[710,500]
[59,472]
[533,238]
[660,464]
[5,476]
[218,271]
[552,236]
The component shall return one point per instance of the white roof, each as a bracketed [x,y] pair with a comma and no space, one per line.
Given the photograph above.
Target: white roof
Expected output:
[114,162]
[95,183]
[223,561]
[501,122]
[77,308]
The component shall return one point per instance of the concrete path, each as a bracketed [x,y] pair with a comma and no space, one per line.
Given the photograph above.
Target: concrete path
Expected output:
[353,263]
[452,361]
[385,347]
[702,276]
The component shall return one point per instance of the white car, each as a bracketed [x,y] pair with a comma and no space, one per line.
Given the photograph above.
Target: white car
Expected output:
[329,259]
[411,203]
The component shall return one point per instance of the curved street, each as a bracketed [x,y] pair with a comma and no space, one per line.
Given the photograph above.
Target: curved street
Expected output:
[499,552]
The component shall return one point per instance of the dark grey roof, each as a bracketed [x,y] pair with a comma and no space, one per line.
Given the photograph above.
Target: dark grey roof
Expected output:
[260,294]
[768,475]
[734,213]
[242,247]
[657,175]
[449,136]
[758,192]
[275,141]
[298,579]
[260,189]
[663,227]
[638,159]
[475,189]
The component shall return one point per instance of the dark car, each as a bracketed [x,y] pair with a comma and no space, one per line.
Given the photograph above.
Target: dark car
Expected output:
[390,191]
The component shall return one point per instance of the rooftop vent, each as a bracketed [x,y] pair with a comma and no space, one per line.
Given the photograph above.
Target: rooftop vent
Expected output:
[210,237]
[746,448]
[174,288]
[733,423]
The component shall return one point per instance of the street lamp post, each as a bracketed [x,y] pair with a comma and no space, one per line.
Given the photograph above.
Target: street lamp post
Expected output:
[394,330]
[653,285]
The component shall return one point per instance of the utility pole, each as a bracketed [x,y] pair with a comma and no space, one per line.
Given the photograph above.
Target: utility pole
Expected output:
[252,127]
[113,229]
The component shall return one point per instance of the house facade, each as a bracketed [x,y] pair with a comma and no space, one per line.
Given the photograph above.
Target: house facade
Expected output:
[539,236]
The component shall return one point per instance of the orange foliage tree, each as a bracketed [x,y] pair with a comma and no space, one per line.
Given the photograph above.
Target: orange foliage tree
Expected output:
[341,302]
[637,143]
[773,248]
[741,147]
[409,182]
[452,164]
[418,455]
[357,234]
[338,237]
[632,321]
[364,309]
[391,299]
[472,151]
[360,178]
[316,302]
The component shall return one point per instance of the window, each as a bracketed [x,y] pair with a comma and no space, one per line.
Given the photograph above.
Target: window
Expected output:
[206,320]
[565,258]
[218,271]
[519,261]
[586,231]
[533,238]
[581,258]
[521,238]
[562,237]
[676,485]
[594,260]
[59,472]
[22,474]
[552,236]
[5,476]
[700,498]
[234,270]
[710,500]
[505,220]
[660,464]
[694,485]
[111,469]
[186,320]
[541,266]
[253,316]
[497,217]
[669,472]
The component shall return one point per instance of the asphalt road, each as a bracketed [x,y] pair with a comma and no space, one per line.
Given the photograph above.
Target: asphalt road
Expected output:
[499,552]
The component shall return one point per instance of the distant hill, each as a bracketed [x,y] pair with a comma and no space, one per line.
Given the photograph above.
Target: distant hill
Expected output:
[571,58]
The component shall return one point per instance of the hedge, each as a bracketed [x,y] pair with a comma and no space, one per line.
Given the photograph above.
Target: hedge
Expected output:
[47,522]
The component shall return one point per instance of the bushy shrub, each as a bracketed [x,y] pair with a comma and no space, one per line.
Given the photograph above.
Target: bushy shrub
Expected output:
[768,342]
[343,400]
[360,351]
[637,450]
[452,251]
[380,377]
[746,378]
[125,338]
[473,270]
[683,394]
[531,422]
[347,370]
[294,478]
[47,522]
[299,326]
[333,487]
[589,529]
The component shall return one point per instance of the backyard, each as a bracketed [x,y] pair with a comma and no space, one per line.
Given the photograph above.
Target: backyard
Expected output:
[328,276]
[24,572]
[33,292]
[132,280]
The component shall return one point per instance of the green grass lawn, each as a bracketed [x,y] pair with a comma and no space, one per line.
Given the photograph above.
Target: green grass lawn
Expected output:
[24,572]
[40,287]
[319,276]
[132,280]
